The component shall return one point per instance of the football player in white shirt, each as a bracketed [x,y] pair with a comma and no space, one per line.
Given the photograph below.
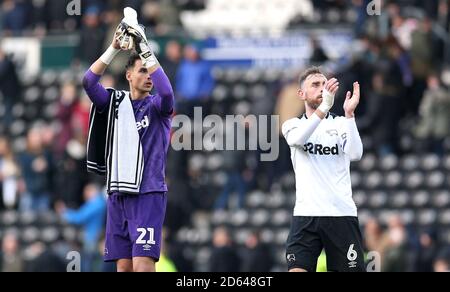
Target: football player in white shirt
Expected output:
[322,147]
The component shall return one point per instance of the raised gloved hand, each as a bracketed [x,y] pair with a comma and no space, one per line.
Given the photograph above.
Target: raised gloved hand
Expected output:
[133,28]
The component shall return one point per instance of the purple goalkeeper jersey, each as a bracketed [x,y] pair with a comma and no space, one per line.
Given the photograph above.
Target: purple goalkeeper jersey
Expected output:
[153,122]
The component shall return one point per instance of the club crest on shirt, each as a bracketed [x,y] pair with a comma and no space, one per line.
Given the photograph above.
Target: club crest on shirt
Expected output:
[333,132]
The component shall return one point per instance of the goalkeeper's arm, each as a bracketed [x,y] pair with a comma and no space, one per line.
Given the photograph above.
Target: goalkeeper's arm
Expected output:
[96,92]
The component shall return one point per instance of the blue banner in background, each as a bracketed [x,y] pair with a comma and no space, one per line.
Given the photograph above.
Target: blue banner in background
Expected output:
[288,50]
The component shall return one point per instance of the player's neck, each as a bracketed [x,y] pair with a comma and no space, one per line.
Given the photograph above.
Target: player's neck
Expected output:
[309,111]
[137,94]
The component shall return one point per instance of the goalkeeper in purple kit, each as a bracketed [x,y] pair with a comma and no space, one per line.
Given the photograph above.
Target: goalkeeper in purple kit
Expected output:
[128,142]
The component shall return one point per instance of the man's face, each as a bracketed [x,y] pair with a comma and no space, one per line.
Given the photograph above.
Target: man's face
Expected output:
[139,78]
[312,89]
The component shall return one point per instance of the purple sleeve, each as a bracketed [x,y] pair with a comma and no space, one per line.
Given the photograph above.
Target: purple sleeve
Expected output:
[165,98]
[96,92]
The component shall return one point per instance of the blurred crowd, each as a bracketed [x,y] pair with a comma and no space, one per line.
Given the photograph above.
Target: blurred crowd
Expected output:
[398,58]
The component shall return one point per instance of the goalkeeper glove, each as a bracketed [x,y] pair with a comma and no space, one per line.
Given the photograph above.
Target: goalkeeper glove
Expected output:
[133,28]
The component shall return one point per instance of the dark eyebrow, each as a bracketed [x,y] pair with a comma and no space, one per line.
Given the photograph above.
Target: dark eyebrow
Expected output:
[143,69]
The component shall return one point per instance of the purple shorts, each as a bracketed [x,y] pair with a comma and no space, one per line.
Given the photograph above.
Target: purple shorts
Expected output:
[134,226]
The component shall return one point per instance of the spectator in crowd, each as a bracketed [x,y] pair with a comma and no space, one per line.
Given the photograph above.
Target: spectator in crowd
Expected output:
[66,107]
[71,176]
[10,87]
[236,168]
[395,247]
[91,216]
[224,257]
[257,256]
[43,259]
[434,124]
[428,251]
[10,257]
[373,236]
[318,55]
[92,36]
[423,52]
[15,16]
[171,60]
[194,82]
[37,168]
[9,173]
[442,261]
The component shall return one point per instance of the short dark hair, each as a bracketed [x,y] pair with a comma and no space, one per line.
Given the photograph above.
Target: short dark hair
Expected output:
[310,71]
[132,60]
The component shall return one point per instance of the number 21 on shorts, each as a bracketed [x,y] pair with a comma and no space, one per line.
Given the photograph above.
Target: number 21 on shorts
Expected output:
[143,232]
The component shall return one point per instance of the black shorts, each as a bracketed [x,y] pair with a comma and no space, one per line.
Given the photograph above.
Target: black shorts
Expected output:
[339,236]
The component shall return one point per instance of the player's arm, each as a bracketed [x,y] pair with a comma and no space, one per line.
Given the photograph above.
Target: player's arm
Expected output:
[297,132]
[165,97]
[350,138]
[165,101]
[96,92]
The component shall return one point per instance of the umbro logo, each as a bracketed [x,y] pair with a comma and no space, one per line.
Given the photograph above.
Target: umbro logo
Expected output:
[147,247]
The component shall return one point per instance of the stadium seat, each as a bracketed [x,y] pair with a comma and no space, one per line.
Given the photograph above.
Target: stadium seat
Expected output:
[51,94]
[49,218]
[399,200]
[281,236]
[9,218]
[356,179]
[30,235]
[220,217]
[407,216]
[436,179]
[260,218]
[220,93]
[281,218]
[275,200]
[50,234]
[70,234]
[421,199]
[28,218]
[414,180]
[257,91]
[441,199]
[430,162]
[255,199]
[32,94]
[444,218]
[214,161]
[239,218]
[239,91]
[388,162]
[378,199]
[410,163]
[360,198]
[368,162]
[446,163]
[252,76]
[373,180]
[241,235]
[426,217]
[267,235]
[48,78]
[393,179]
[18,128]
